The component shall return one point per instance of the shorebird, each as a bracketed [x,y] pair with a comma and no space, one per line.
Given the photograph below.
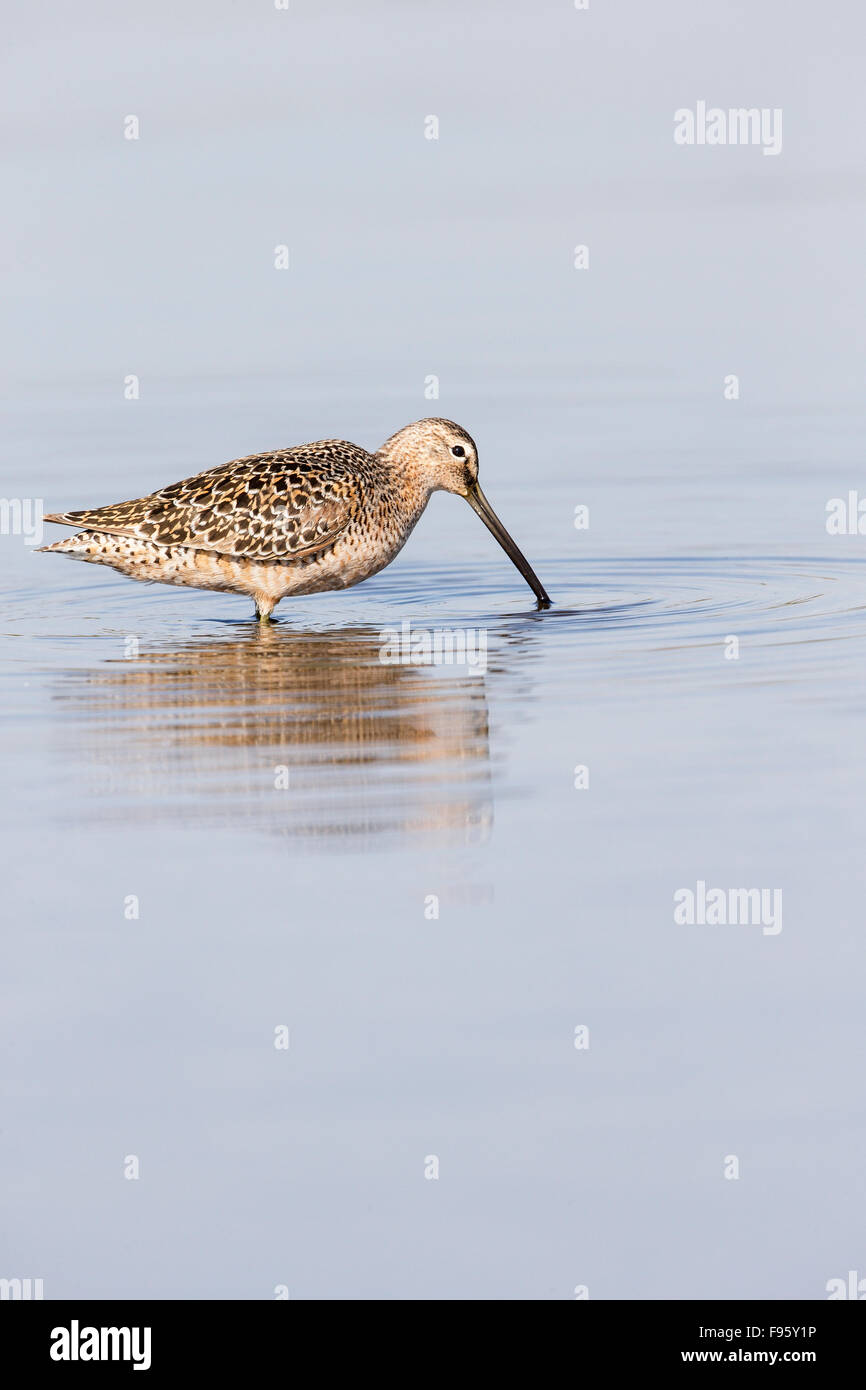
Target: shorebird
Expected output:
[296,521]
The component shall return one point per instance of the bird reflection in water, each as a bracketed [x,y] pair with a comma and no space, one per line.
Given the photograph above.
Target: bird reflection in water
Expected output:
[302,733]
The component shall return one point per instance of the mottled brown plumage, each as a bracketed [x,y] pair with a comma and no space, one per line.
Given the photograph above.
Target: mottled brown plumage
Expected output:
[296,521]
[275,506]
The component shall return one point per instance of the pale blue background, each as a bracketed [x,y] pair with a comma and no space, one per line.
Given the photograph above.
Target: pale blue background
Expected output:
[452,1037]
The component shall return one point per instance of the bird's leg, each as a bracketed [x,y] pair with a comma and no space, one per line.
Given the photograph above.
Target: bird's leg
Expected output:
[264,607]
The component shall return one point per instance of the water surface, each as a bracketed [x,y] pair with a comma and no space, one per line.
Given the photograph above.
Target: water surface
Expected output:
[149,737]
[211,832]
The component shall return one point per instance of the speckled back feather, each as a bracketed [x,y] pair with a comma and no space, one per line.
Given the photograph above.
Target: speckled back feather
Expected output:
[286,504]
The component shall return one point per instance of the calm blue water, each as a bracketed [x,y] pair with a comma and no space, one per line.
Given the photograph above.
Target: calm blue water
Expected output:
[430,906]
[153,777]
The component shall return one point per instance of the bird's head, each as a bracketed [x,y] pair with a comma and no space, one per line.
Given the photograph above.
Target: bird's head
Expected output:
[441,455]
[444,458]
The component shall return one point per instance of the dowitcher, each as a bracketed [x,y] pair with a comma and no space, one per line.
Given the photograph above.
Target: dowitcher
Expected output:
[296,521]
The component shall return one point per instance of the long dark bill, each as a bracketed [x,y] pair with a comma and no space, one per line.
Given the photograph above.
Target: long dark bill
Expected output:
[479,503]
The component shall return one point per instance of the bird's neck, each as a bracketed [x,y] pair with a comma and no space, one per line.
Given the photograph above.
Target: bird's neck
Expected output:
[406,473]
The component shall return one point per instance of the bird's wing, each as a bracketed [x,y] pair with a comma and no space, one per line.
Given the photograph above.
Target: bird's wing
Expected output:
[278,506]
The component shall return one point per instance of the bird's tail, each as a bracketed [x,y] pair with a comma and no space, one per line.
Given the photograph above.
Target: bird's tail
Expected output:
[67,518]
[81,547]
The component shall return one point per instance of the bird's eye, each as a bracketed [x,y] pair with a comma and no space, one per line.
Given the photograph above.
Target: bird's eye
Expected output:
[458,451]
